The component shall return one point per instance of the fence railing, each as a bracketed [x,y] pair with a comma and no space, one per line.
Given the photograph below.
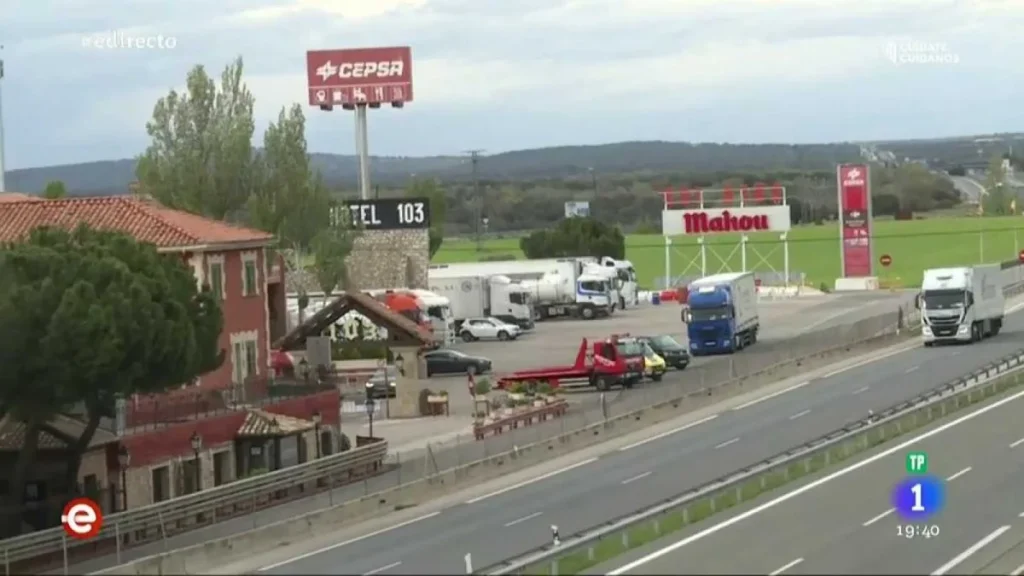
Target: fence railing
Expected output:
[749,482]
[46,548]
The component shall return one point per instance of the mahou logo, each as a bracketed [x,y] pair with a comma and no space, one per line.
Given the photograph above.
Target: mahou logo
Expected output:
[702,222]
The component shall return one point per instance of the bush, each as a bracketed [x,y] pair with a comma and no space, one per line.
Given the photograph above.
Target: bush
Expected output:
[346,443]
[544,388]
[519,388]
[482,387]
[497,257]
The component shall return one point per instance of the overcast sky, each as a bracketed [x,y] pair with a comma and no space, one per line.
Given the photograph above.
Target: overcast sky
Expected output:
[510,74]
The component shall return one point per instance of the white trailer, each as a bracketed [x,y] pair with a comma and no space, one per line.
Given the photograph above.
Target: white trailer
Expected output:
[477,296]
[964,304]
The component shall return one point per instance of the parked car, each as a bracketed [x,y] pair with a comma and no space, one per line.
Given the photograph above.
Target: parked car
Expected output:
[455,362]
[383,383]
[487,328]
[674,353]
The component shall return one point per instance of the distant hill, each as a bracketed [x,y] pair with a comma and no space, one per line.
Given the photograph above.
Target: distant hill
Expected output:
[113,177]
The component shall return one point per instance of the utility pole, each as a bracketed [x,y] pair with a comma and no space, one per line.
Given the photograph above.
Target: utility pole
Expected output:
[474,158]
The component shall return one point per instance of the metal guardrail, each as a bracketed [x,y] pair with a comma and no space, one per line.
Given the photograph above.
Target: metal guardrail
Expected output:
[160,520]
[783,461]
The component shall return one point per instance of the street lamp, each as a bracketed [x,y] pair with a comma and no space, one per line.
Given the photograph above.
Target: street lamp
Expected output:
[370,405]
[124,459]
[197,445]
[317,417]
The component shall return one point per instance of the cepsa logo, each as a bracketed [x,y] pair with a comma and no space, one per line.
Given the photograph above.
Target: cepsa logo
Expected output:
[386,69]
[82,518]
[702,222]
[853,177]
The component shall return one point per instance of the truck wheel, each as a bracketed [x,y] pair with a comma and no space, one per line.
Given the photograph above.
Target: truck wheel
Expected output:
[503,335]
[622,303]
[587,312]
[467,337]
[738,343]
[975,332]
[601,383]
[657,376]
[997,325]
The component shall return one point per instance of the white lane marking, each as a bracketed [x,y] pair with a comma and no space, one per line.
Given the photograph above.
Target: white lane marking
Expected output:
[811,486]
[1018,570]
[799,414]
[871,360]
[727,442]
[1017,443]
[786,567]
[911,369]
[531,481]
[879,517]
[840,313]
[669,433]
[1021,515]
[970,551]
[523,519]
[346,542]
[637,477]
[958,474]
[772,395]
[383,568]
[864,389]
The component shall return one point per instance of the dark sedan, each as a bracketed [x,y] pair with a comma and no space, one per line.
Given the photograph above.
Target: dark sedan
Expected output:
[382,383]
[455,362]
[674,353]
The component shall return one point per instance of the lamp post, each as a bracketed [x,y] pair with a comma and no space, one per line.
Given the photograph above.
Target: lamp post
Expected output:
[197,445]
[304,370]
[370,405]
[124,459]
[316,430]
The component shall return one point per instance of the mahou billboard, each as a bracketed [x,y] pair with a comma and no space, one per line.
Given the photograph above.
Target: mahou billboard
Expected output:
[738,220]
[854,184]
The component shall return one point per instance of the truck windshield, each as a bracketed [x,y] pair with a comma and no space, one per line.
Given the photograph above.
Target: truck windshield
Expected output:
[594,286]
[943,299]
[705,314]
[517,297]
[629,348]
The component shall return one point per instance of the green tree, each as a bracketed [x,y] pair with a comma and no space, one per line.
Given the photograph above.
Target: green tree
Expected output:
[331,248]
[997,201]
[91,316]
[200,158]
[55,190]
[575,237]
[431,189]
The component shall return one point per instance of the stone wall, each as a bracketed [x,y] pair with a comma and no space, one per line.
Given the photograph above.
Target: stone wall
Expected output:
[390,259]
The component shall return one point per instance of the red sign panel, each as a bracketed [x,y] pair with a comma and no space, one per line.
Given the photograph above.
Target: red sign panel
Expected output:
[855,219]
[359,76]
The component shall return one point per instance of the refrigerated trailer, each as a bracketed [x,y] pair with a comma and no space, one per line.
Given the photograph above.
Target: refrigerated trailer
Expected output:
[964,304]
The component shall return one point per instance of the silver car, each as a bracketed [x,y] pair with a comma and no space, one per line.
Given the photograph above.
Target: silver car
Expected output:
[488,328]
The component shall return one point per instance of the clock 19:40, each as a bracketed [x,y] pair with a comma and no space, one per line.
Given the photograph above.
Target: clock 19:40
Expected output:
[909,531]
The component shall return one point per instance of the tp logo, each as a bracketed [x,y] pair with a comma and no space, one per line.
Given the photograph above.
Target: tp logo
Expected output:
[82,518]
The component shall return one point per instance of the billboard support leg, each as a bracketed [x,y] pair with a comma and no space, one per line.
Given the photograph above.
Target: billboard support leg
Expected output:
[668,263]
[743,251]
[363,150]
[785,259]
[703,257]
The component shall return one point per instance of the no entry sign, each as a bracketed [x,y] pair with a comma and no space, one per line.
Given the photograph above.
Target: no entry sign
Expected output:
[885,260]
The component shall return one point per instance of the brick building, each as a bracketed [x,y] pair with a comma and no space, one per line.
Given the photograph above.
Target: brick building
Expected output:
[222,407]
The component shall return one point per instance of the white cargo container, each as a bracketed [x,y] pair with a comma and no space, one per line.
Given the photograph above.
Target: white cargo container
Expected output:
[964,304]
[477,296]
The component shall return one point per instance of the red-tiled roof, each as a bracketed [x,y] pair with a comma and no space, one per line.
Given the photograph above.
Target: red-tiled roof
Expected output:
[146,221]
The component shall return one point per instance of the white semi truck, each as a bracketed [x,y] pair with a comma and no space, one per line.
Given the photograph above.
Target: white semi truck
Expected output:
[557,286]
[963,304]
[476,296]
[629,292]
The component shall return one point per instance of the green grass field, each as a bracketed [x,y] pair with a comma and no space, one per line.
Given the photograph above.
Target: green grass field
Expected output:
[813,250]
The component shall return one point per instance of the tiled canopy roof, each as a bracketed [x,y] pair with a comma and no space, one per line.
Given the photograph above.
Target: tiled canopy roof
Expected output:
[262,424]
[145,220]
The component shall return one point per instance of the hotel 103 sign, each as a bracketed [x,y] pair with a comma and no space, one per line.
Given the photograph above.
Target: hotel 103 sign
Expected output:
[699,222]
[854,183]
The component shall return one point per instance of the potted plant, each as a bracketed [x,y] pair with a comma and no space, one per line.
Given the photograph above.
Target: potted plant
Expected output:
[482,387]
[519,390]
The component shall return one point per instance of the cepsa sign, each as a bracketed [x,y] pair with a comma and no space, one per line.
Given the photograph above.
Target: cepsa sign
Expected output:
[854,183]
[359,76]
[725,220]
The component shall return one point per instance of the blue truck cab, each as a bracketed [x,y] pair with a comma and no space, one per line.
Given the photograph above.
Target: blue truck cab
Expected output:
[721,314]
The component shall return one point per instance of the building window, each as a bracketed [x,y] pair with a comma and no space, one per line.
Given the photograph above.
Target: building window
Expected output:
[244,356]
[216,278]
[161,483]
[250,277]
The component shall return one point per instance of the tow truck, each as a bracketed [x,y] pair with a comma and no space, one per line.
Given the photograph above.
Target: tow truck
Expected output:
[609,362]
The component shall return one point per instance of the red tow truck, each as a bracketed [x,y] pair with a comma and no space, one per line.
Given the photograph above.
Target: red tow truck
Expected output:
[607,363]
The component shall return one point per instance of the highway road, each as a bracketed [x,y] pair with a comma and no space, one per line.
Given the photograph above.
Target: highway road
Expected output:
[515,519]
[842,522]
[970,189]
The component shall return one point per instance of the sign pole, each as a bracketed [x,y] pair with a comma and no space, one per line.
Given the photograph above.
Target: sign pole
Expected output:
[668,264]
[363,149]
[2,186]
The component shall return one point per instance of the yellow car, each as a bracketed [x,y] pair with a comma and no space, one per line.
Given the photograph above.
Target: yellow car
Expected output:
[654,365]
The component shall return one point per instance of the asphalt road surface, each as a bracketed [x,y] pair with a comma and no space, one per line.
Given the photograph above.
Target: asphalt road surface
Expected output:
[969,188]
[513,520]
[555,342]
[842,522]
